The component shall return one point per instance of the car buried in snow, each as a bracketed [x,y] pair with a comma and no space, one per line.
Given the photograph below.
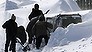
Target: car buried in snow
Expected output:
[63,20]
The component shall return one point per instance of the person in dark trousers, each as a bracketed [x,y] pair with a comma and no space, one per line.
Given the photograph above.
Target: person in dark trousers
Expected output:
[29,29]
[40,31]
[11,30]
[33,17]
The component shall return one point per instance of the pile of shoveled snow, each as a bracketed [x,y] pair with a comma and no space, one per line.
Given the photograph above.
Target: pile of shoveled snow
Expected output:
[10,5]
[83,45]
[55,7]
[62,39]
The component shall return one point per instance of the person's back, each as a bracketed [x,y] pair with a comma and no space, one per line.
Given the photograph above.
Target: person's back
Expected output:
[21,34]
[29,29]
[40,28]
[31,24]
[40,31]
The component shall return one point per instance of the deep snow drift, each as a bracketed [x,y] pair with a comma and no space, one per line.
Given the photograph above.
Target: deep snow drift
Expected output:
[55,6]
[75,38]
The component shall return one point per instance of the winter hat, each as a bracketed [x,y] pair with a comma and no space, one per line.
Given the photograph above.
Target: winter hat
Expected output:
[13,17]
[36,6]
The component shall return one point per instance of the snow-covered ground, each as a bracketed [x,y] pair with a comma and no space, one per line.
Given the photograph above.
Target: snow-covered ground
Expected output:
[75,38]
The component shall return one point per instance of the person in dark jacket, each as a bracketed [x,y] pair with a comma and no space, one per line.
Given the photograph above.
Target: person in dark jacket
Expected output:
[40,31]
[11,30]
[36,12]
[21,34]
[29,29]
[33,17]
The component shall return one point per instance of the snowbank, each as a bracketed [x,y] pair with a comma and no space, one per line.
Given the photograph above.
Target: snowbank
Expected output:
[62,39]
[73,33]
[2,32]
[55,6]
[59,6]
[10,5]
[83,45]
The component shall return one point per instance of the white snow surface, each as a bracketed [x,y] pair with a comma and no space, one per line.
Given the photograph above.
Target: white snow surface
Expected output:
[74,38]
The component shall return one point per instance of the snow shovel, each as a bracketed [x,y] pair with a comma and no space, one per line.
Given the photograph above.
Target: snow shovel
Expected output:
[25,48]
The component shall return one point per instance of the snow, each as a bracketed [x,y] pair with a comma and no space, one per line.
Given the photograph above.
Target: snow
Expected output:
[68,40]
[74,38]
[58,6]
[1,1]
[10,5]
